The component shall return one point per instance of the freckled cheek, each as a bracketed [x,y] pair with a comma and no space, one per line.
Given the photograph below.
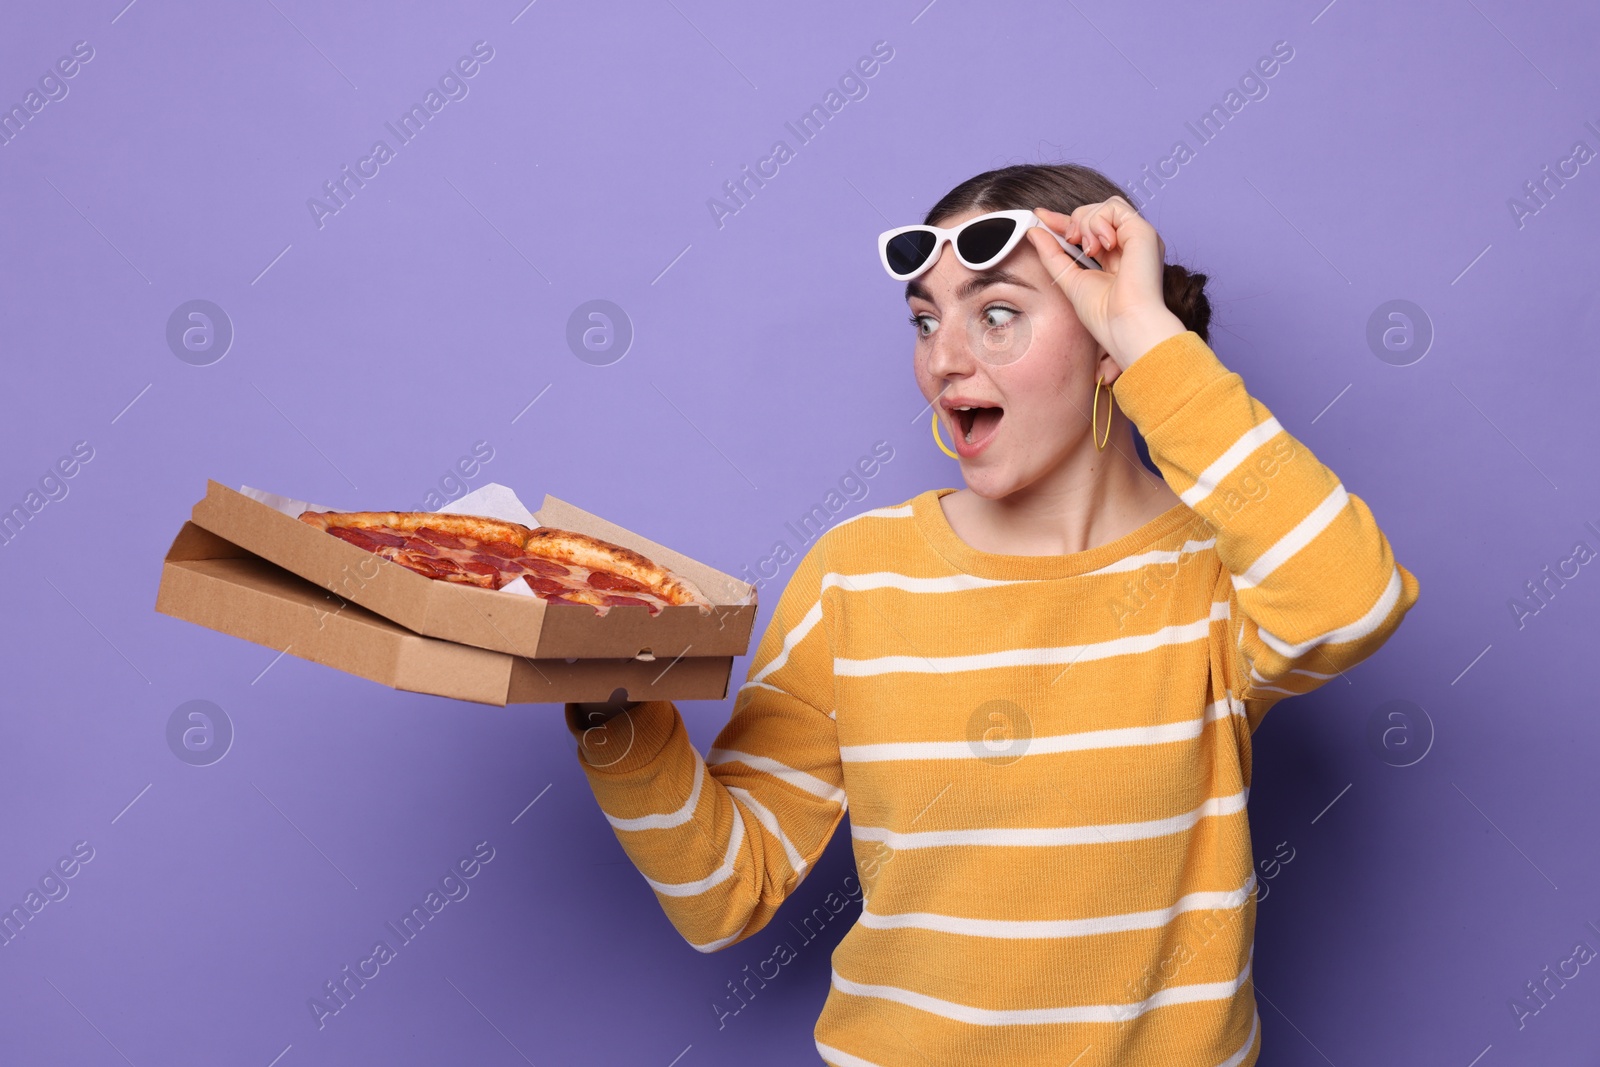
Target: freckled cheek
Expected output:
[1036,386]
[1041,404]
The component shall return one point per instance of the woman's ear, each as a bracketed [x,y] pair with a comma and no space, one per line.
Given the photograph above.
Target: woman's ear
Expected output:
[1106,367]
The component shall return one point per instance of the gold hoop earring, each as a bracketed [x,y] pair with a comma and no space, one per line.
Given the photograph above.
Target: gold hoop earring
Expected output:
[942,447]
[1094,415]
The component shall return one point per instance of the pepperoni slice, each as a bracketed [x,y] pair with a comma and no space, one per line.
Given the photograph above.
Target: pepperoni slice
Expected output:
[542,566]
[504,549]
[472,566]
[499,563]
[614,600]
[386,537]
[440,538]
[543,586]
[420,547]
[617,582]
[440,564]
[358,537]
[422,566]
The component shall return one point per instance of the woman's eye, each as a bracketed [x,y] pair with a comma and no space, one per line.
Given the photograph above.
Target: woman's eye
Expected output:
[999,316]
[924,324]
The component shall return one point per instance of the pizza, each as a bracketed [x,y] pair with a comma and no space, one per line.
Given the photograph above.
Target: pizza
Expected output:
[560,566]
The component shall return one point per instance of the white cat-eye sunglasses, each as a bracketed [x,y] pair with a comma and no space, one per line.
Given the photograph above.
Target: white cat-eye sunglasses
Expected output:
[980,243]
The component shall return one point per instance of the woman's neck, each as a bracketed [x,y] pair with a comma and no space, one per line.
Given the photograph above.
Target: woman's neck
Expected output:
[1092,498]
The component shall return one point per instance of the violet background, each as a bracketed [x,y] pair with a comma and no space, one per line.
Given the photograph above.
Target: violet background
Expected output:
[769,355]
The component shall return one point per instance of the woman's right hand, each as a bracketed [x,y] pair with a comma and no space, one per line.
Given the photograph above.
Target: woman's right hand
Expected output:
[590,713]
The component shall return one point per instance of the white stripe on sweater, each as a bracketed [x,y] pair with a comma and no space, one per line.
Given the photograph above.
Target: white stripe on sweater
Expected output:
[1155,556]
[1363,626]
[1076,1013]
[790,639]
[1059,928]
[839,1058]
[950,583]
[1224,464]
[765,817]
[1259,684]
[1299,537]
[712,880]
[1047,836]
[1167,733]
[1024,657]
[899,511]
[671,819]
[712,946]
[1244,1050]
[810,783]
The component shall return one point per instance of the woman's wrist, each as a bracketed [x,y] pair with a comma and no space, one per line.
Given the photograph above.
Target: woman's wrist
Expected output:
[1142,332]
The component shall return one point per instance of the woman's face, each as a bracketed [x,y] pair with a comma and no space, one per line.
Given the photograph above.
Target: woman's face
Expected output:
[1030,415]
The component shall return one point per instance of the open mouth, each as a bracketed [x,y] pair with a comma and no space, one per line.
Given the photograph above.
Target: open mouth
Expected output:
[977,423]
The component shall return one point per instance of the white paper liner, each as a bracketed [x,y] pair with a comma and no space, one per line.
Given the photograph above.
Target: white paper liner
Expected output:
[288,505]
[495,501]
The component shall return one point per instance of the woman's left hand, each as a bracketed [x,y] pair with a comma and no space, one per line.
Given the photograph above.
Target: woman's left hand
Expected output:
[1121,306]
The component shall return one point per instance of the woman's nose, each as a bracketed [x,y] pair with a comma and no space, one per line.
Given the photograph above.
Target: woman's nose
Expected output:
[949,353]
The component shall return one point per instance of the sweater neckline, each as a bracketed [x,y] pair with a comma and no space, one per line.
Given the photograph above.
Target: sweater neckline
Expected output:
[930,519]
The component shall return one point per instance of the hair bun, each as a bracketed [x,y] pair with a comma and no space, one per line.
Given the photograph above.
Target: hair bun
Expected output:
[1184,293]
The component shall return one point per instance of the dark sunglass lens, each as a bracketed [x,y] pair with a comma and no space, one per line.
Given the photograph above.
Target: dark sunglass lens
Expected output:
[983,241]
[910,250]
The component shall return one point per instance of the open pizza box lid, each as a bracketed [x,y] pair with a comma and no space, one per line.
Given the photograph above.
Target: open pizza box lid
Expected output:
[510,620]
[221,586]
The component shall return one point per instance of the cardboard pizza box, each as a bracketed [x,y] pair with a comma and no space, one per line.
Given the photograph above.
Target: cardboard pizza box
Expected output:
[217,584]
[498,620]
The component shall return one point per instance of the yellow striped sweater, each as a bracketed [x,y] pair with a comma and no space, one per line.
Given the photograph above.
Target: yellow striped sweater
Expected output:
[1045,758]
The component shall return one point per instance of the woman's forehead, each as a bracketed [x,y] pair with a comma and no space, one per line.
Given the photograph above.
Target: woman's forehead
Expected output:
[965,215]
[963,284]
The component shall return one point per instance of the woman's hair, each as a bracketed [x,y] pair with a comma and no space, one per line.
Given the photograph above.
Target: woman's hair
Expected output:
[1065,187]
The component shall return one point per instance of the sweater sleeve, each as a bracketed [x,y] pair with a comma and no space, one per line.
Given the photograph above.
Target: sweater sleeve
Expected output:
[724,839]
[1312,585]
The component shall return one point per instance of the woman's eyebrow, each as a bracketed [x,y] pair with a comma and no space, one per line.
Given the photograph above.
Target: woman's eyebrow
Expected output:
[981,280]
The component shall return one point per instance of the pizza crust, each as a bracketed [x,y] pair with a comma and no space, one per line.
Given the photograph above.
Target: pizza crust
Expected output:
[567,546]
[478,527]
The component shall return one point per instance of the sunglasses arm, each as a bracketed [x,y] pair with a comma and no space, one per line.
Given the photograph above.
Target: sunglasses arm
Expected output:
[1086,262]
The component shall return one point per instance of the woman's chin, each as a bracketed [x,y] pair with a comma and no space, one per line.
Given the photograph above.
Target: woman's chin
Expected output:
[990,480]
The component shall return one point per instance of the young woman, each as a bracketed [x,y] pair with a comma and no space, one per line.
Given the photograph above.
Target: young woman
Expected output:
[1035,694]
